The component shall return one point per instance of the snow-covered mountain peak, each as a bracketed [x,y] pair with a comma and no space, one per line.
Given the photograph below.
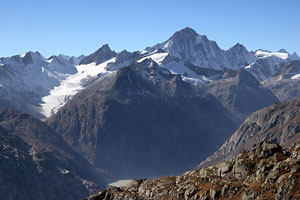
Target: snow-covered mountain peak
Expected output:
[189,46]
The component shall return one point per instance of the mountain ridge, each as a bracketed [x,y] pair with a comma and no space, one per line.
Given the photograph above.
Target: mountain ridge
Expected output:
[185,53]
[277,123]
[133,110]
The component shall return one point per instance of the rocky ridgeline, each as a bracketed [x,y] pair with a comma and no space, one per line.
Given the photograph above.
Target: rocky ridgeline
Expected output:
[265,172]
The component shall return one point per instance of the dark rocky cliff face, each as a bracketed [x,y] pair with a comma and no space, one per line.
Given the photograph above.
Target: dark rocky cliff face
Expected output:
[140,122]
[265,172]
[36,163]
[278,123]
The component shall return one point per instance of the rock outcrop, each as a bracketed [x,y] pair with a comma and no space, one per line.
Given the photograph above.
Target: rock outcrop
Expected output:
[265,172]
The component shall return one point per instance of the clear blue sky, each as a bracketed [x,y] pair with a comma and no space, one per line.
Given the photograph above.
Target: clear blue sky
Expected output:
[76,27]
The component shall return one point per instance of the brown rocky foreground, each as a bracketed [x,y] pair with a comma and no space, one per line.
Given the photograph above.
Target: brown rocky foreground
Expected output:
[265,172]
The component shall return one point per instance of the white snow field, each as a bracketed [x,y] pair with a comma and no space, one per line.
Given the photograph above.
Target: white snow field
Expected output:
[120,183]
[71,85]
[265,54]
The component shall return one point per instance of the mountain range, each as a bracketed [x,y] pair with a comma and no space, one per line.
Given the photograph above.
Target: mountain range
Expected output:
[40,86]
[143,110]
[122,115]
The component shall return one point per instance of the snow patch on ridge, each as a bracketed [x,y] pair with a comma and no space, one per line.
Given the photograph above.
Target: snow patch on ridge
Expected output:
[157,57]
[144,52]
[182,69]
[297,76]
[195,81]
[120,183]
[249,66]
[265,54]
[49,61]
[186,73]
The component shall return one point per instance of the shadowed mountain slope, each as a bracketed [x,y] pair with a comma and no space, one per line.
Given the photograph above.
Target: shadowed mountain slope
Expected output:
[143,121]
[37,163]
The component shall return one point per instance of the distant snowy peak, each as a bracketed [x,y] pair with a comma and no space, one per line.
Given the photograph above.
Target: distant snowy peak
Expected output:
[281,54]
[266,54]
[31,71]
[186,44]
[33,76]
[186,35]
[183,39]
[269,63]
[101,55]
[239,56]
[189,46]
